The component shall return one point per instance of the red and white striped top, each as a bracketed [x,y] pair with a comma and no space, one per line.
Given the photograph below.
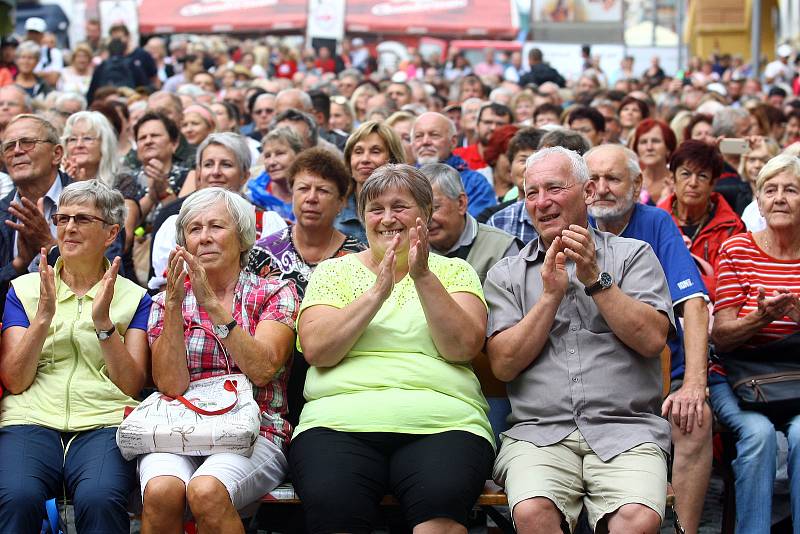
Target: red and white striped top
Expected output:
[743,268]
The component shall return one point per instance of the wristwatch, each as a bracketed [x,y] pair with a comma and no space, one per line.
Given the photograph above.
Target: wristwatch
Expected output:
[222,330]
[604,281]
[102,335]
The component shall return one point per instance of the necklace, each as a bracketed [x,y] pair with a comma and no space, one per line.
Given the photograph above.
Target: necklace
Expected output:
[323,256]
[701,222]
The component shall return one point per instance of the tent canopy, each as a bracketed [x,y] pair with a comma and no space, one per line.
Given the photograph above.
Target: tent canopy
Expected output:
[204,16]
[423,17]
[426,17]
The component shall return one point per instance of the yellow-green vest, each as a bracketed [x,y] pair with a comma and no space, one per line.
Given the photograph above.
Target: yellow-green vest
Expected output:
[71,391]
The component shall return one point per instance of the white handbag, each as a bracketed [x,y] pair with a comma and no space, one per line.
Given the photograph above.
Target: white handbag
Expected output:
[217,414]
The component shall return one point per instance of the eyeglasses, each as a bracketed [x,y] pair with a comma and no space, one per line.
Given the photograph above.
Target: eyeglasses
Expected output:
[84,139]
[263,111]
[81,219]
[25,144]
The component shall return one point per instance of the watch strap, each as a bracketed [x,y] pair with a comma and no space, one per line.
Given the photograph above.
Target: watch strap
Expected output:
[102,335]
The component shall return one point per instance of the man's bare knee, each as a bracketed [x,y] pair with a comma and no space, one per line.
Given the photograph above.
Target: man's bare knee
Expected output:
[537,515]
[634,519]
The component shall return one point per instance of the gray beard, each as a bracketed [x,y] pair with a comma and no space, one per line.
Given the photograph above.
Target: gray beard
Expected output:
[613,213]
[424,160]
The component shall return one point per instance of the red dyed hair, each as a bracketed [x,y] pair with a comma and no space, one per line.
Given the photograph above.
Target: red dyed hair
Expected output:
[666,132]
[498,143]
[697,156]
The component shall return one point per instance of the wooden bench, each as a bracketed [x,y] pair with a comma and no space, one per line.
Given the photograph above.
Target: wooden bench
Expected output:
[493,495]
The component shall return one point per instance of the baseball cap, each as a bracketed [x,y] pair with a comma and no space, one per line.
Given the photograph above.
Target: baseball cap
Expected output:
[358,41]
[784,50]
[35,24]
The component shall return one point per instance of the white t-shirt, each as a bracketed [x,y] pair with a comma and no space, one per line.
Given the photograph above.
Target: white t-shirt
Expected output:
[752,218]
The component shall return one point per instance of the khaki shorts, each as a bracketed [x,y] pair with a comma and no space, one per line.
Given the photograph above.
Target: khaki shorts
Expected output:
[572,476]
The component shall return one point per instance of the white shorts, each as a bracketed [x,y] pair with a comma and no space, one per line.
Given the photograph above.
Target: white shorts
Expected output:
[247,479]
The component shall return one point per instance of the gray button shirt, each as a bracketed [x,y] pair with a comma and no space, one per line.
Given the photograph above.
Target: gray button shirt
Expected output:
[585,377]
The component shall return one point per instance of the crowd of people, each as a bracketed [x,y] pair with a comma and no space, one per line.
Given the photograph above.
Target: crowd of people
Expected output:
[354,237]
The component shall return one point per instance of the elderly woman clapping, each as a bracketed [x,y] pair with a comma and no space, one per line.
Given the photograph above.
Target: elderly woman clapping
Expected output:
[392,404]
[74,354]
[253,318]
[90,147]
[757,316]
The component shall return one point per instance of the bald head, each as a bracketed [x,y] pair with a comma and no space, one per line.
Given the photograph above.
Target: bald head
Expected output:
[433,138]
[293,98]
[614,169]
[13,101]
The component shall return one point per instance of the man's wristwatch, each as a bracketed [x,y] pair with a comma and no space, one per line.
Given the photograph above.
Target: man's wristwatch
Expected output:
[222,330]
[102,335]
[604,281]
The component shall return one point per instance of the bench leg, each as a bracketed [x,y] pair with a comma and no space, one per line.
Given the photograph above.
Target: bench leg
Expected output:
[503,523]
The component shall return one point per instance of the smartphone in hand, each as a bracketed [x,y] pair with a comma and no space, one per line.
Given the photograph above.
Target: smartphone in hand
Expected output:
[733,145]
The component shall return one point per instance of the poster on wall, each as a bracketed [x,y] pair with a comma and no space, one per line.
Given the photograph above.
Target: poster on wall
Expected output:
[577,11]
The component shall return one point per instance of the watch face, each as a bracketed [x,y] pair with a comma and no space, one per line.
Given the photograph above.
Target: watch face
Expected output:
[606,280]
[221,331]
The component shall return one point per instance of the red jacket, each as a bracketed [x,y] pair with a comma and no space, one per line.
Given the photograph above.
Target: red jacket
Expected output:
[472,156]
[723,223]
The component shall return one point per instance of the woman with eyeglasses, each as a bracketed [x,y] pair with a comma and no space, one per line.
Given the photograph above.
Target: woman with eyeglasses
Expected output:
[703,216]
[74,356]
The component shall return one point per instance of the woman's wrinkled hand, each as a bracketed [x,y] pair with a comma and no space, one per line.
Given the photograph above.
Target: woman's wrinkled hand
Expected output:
[176,275]
[384,282]
[47,289]
[418,250]
[102,301]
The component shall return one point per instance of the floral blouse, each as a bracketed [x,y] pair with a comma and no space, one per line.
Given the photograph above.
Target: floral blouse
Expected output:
[276,256]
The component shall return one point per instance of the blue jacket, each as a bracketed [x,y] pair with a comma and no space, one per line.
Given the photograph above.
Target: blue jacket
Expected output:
[480,193]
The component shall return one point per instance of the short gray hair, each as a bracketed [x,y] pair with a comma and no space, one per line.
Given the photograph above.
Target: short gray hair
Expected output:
[631,159]
[28,101]
[108,201]
[50,132]
[724,122]
[235,144]
[28,47]
[775,166]
[70,97]
[446,177]
[240,210]
[295,115]
[351,73]
[578,166]
[284,135]
[451,126]
[100,125]
[397,176]
[304,97]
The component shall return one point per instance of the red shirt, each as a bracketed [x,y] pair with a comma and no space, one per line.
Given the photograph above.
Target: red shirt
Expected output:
[743,268]
[286,69]
[325,65]
[472,156]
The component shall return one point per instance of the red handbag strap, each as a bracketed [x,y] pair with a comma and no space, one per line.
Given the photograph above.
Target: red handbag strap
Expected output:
[230,385]
[211,333]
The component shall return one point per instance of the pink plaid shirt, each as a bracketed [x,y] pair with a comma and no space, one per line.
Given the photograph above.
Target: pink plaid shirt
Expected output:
[256,299]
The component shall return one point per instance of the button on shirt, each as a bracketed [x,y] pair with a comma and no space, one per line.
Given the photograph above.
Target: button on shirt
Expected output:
[584,377]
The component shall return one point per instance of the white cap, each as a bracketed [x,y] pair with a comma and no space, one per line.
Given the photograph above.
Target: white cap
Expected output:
[717,88]
[358,41]
[35,24]
[784,50]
